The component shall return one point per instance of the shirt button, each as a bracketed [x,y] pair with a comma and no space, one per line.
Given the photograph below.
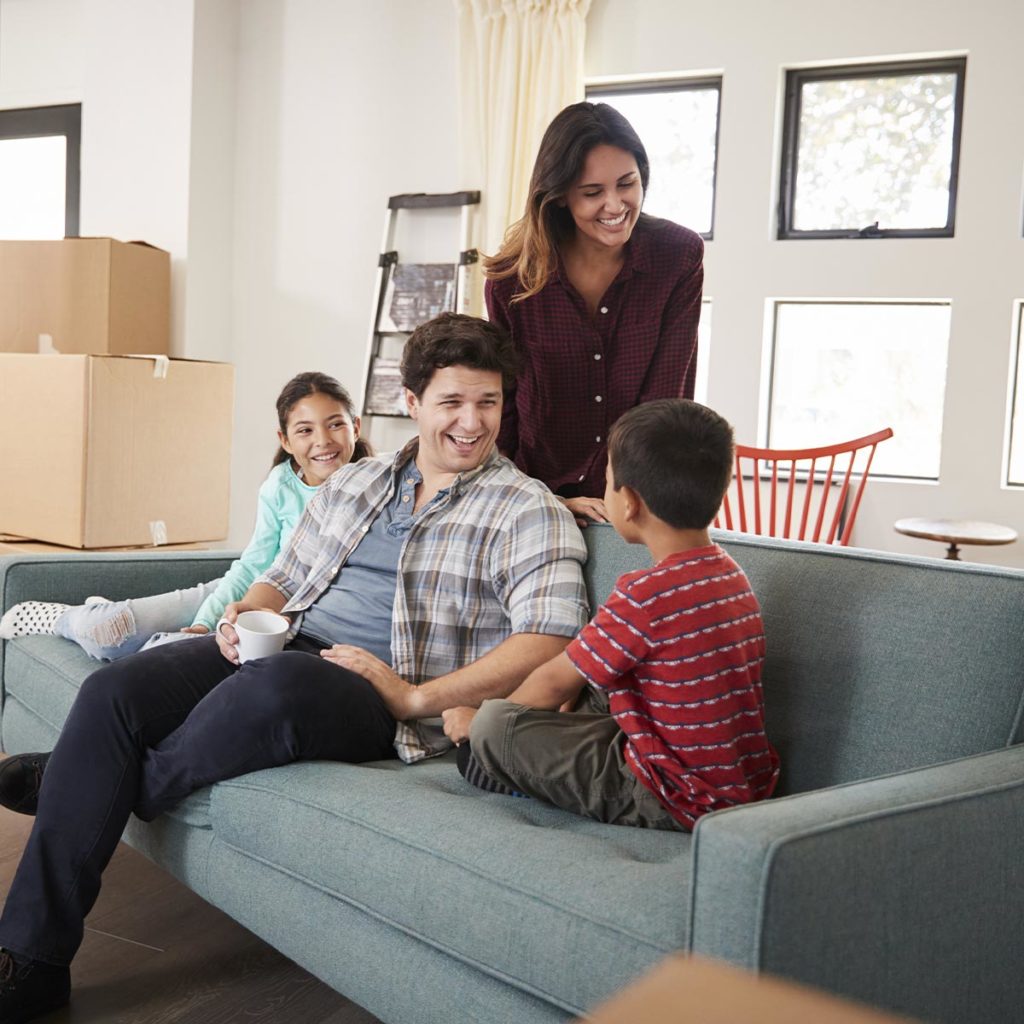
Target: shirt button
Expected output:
[597,398]
[405,497]
[598,439]
[597,355]
[582,478]
[365,529]
[604,309]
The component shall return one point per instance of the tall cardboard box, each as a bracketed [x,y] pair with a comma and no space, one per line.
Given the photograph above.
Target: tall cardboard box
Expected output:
[105,451]
[84,295]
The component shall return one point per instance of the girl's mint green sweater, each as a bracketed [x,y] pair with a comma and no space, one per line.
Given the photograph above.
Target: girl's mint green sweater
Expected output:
[282,500]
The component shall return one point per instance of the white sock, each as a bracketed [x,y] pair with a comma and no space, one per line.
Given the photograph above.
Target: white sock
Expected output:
[31,618]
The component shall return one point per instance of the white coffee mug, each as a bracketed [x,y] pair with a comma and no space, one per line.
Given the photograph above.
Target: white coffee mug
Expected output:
[260,634]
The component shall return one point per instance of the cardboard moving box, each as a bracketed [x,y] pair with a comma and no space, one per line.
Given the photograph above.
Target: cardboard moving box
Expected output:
[84,295]
[106,451]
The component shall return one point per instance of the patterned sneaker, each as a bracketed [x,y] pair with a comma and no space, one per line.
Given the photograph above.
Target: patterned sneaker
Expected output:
[29,989]
[31,618]
[20,779]
[470,769]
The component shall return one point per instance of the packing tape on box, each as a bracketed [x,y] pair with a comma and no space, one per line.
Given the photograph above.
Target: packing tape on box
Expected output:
[158,531]
[45,345]
[161,364]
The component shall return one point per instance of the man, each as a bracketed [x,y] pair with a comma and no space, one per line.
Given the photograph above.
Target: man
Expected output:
[458,574]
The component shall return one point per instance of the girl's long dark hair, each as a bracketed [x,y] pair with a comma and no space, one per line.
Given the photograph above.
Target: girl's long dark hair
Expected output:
[303,385]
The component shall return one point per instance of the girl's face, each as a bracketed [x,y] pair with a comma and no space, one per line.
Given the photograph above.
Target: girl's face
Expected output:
[320,437]
[606,198]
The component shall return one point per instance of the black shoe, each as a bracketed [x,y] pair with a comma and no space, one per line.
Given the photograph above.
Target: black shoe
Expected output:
[20,779]
[29,988]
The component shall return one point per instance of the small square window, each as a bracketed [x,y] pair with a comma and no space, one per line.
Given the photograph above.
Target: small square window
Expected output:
[871,150]
[39,171]
[1015,474]
[843,370]
[678,124]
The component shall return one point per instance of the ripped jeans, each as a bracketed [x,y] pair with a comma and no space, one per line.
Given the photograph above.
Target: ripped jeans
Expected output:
[108,630]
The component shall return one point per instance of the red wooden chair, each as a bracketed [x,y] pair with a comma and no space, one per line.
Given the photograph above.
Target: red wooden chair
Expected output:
[838,477]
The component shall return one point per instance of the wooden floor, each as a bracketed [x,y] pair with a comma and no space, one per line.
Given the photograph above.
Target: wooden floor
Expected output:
[155,953]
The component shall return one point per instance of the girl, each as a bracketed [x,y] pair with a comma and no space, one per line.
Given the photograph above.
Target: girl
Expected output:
[318,433]
[601,300]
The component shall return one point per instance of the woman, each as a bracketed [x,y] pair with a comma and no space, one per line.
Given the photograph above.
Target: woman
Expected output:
[601,300]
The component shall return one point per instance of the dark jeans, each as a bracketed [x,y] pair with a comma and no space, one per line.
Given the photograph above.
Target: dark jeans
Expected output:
[145,732]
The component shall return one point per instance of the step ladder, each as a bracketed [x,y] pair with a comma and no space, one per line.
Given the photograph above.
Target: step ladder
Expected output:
[409,293]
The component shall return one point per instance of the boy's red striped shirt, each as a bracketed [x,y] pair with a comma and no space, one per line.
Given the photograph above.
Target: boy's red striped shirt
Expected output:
[679,649]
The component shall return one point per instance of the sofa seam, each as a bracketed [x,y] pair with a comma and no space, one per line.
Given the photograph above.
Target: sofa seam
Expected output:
[536,897]
[455,954]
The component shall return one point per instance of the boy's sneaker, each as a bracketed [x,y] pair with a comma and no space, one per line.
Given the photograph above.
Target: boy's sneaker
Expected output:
[31,618]
[471,770]
[29,988]
[20,779]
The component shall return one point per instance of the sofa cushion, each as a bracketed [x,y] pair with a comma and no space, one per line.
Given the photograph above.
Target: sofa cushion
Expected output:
[562,907]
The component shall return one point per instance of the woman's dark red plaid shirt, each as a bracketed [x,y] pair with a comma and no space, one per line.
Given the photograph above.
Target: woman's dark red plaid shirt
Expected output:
[581,373]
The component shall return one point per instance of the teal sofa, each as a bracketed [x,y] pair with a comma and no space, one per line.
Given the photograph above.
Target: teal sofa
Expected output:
[889,868]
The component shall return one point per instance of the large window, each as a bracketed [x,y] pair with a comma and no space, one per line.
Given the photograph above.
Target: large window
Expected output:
[871,150]
[840,370]
[39,171]
[1015,469]
[678,125]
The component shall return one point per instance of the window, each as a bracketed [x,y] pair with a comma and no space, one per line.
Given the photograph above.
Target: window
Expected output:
[678,125]
[39,171]
[871,150]
[1015,474]
[840,370]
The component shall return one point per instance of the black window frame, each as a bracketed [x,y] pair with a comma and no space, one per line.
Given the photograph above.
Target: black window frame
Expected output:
[796,78]
[601,91]
[40,122]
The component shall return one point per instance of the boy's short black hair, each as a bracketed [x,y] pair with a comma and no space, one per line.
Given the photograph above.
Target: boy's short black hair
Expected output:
[677,455]
[454,339]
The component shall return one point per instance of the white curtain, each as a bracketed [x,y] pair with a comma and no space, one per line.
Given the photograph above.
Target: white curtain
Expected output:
[520,62]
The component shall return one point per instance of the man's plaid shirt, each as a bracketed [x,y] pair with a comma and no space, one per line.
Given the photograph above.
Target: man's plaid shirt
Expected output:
[495,556]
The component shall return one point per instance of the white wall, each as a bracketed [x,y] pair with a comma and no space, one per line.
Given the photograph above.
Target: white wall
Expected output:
[981,270]
[340,106]
[258,141]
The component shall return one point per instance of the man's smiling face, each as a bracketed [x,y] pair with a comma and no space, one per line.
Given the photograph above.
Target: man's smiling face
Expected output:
[458,416]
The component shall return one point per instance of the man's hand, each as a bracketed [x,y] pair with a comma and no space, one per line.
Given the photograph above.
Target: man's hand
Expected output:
[198,630]
[457,722]
[586,508]
[227,638]
[399,696]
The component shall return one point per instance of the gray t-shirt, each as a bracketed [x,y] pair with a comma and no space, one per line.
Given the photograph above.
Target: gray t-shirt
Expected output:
[357,608]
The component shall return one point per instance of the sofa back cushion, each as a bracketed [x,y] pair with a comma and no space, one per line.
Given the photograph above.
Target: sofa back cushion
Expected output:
[876,663]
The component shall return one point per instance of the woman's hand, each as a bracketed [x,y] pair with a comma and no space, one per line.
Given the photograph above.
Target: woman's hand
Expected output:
[198,630]
[586,509]
[457,722]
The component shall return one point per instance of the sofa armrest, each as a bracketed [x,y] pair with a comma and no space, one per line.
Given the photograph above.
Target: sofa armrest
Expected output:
[904,891]
[73,578]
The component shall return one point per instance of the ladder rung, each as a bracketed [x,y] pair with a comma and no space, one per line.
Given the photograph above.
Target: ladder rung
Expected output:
[420,200]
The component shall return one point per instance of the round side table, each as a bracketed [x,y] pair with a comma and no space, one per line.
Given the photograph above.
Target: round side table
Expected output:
[955,532]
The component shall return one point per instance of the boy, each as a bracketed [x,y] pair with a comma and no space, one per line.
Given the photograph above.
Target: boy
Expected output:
[672,723]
